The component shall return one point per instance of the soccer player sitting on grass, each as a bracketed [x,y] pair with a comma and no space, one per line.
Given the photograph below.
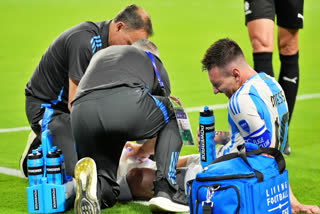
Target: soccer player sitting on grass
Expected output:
[257,108]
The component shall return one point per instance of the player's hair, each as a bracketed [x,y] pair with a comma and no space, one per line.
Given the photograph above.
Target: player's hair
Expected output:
[130,16]
[221,53]
[146,45]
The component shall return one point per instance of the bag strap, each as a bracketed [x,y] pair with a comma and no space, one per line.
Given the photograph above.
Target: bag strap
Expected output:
[273,152]
[243,155]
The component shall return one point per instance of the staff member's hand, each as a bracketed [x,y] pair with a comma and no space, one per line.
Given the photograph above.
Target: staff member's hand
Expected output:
[134,151]
[140,151]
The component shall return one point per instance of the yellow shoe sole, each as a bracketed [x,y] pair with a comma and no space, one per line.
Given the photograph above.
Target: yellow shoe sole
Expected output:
[85,202]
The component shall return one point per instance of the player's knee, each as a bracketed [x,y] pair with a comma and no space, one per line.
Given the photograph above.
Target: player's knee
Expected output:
[287,48]
[288,41]
[261,44]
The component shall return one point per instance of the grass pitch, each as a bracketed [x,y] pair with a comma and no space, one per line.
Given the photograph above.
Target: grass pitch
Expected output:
[183,31]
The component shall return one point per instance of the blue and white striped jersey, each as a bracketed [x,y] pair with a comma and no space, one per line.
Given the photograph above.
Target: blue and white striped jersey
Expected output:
[258,113]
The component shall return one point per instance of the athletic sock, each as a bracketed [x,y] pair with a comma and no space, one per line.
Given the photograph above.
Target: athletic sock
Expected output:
[263,62]
[289,79]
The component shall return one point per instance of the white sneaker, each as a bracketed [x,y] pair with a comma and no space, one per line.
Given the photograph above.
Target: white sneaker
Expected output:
[163,204]
[86,200]
[31,144]
[168,199]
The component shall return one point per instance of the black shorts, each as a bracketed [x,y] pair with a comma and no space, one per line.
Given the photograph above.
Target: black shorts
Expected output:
[289,12]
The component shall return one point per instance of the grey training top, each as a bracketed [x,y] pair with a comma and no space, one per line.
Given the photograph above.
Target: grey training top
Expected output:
[67,57]
[122,65]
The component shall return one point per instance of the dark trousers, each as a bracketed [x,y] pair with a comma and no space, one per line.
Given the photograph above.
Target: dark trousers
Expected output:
[60,128]
[104,120]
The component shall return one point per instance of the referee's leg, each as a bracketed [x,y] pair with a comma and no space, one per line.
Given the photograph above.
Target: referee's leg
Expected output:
[259,18]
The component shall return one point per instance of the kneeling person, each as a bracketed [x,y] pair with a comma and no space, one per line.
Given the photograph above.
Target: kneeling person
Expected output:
[120,99]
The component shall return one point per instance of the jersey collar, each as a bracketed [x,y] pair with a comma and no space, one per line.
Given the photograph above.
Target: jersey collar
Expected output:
[104,32]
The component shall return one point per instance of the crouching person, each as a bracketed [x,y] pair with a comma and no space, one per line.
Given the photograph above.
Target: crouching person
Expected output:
[123,96]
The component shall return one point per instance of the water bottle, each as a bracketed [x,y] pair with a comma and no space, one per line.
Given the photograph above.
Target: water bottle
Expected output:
[53,167]
[63,167]
[35,167]
[206,135]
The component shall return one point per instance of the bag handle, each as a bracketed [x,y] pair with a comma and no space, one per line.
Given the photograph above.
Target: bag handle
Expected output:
[243,155]
[273,152]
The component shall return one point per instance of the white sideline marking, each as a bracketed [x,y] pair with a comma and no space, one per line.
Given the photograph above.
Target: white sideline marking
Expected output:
[224,106]
[18,129]
[198,108]
[308,96]
[188,109]
[17,173]
[9,171]
[145,203]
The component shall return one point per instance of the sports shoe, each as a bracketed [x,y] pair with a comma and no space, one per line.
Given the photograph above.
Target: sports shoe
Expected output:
[167,199]
[32,143]
[86,200]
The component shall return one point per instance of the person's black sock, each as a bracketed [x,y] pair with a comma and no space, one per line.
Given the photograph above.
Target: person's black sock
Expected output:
[289,79]
[263,62]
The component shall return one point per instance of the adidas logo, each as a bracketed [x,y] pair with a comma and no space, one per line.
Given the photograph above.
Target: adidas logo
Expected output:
[95,43]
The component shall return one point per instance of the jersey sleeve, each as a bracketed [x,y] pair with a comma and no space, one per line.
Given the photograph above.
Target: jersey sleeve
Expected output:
[246,114]
[79,53]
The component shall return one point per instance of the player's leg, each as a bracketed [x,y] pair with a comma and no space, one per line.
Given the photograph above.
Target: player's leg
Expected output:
[289,70]
[140,182]
[60,129]
[259,16]
[289,21]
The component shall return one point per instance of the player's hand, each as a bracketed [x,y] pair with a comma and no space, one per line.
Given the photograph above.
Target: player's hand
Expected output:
[301,208]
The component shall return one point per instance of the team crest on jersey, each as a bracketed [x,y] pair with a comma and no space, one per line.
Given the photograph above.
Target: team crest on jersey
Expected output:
[244,125]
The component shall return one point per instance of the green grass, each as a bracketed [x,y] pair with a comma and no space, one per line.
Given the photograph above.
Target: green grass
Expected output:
[183,31]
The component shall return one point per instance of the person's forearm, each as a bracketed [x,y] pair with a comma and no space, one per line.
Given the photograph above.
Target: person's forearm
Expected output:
[73,85]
